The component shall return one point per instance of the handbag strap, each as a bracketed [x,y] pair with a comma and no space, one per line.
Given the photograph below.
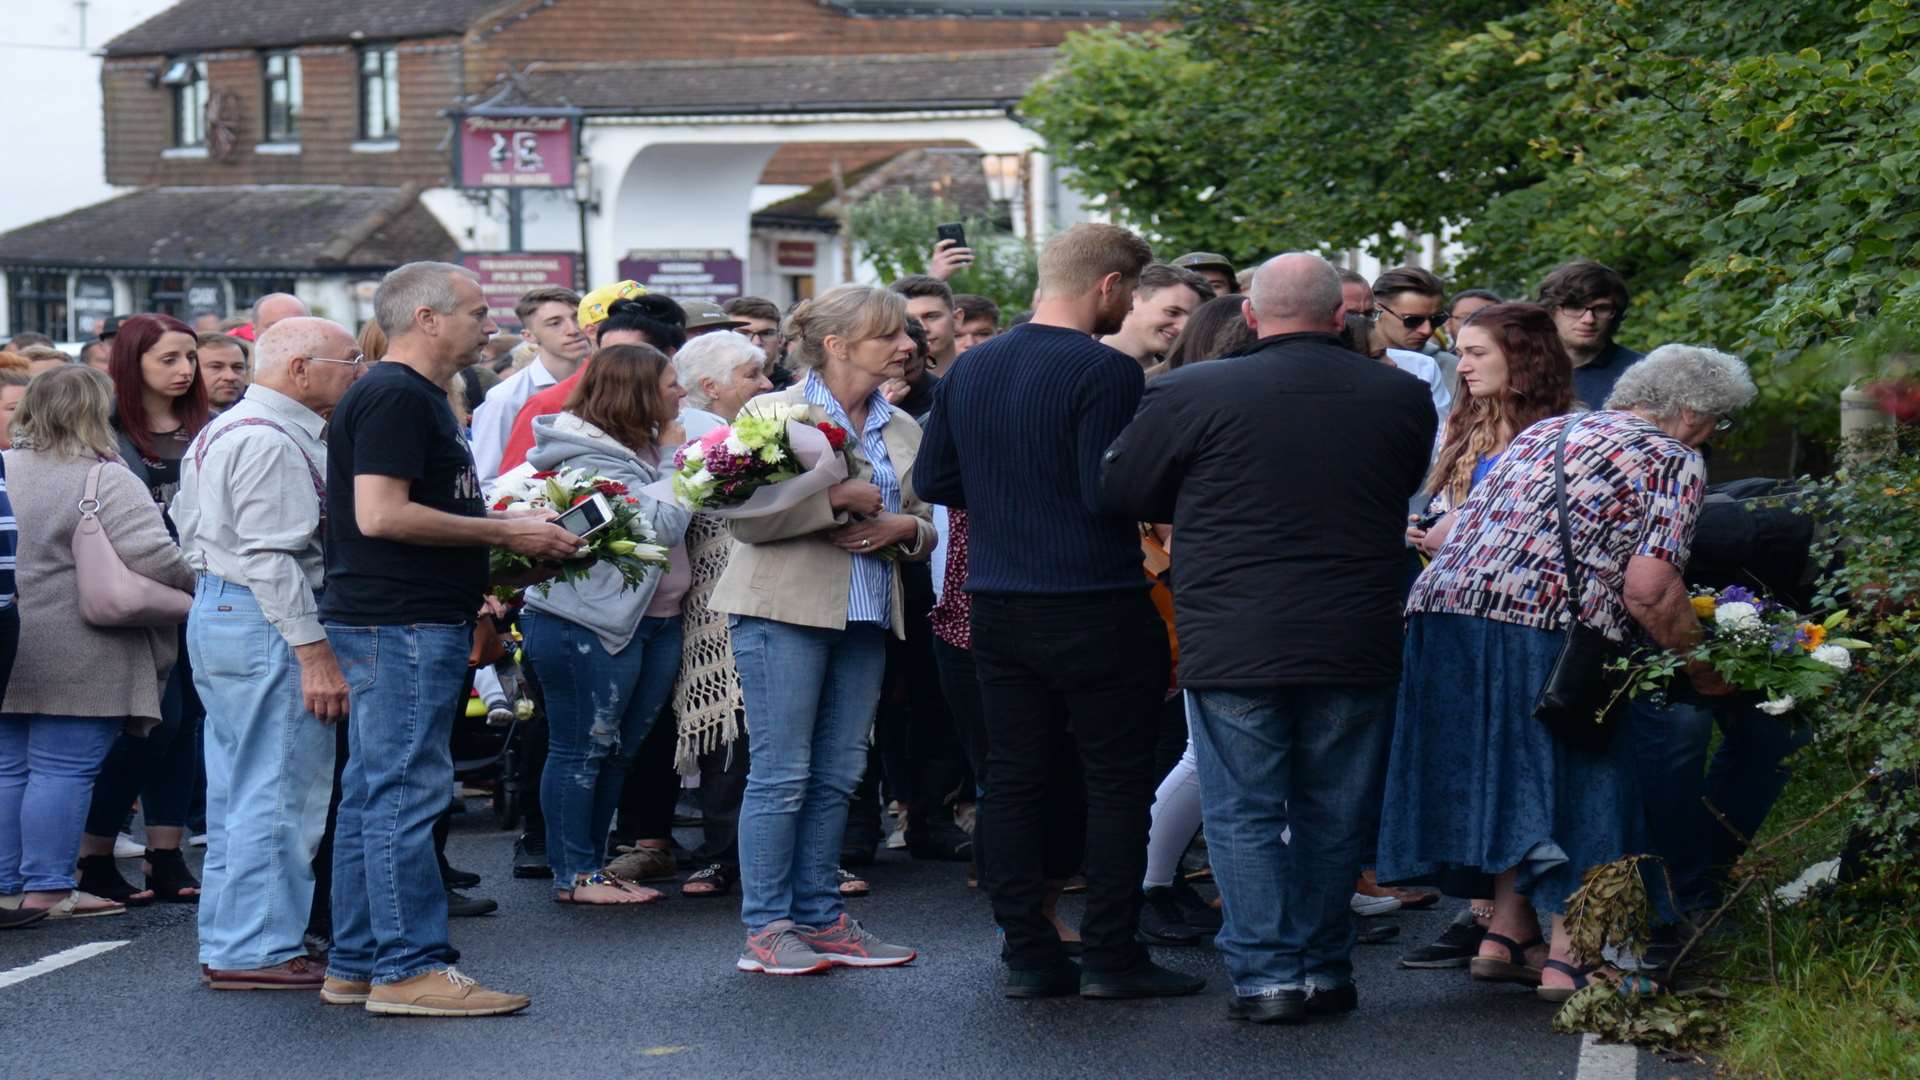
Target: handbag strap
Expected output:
[90,496]
[1565,517]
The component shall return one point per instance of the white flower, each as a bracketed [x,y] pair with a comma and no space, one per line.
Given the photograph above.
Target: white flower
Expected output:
[1834,656]
[1778,706]
[520,504]
[736,446]
[700,479]
[1737,616]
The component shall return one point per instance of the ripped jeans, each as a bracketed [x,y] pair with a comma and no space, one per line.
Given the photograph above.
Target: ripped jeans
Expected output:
[599,707]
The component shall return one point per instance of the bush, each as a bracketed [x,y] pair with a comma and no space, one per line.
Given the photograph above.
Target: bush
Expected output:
[895,232]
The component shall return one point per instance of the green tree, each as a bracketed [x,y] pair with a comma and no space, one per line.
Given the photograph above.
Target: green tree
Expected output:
[894,231]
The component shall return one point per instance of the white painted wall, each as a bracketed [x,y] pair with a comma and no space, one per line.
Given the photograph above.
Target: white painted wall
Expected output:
[51,79]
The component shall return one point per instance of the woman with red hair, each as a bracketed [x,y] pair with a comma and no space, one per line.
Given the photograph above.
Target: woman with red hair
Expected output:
[160,404]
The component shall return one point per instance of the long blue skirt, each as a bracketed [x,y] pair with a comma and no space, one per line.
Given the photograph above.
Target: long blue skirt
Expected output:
[1476,784]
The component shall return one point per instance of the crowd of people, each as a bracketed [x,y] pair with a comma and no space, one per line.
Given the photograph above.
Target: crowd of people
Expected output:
[1187,574]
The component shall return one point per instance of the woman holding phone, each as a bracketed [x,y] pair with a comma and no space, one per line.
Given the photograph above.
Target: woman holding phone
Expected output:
[606,655]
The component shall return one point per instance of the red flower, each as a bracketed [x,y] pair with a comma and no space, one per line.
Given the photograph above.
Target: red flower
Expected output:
[631,501]
[549,474]
[836,435]
[580,498]
[502,503]
[610,488]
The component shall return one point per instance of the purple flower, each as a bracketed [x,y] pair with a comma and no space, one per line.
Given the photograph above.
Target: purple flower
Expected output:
[1737,594]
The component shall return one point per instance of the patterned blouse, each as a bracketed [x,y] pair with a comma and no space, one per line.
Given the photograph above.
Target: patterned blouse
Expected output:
[1634,490]
[953,615]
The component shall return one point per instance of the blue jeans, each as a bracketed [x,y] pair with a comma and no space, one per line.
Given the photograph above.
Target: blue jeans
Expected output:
[599,707]
[47,766]
[810,696]
[389,904]
[1742,781]
[269,777]
[1311,758]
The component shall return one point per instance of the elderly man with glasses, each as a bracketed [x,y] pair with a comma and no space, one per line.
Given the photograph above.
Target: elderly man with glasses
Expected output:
[250,517]
[1589,301]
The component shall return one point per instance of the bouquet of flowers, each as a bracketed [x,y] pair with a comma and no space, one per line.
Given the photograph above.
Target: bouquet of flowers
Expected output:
[627,544]
[1759,647]
[769,459]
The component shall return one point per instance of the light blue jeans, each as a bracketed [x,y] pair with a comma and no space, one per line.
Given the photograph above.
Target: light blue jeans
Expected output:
[599,707]
[389,904]
[1307,757]
[810,696]
[47,766]
[269,776]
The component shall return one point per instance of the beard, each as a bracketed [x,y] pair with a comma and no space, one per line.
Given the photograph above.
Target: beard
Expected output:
[1113,317]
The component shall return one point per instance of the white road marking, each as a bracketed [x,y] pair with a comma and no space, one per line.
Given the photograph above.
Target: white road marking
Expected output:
[58,960]
[1606,1061]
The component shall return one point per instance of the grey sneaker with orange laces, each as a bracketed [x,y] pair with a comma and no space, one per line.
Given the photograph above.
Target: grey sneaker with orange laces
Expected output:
[777,949]
[847,944]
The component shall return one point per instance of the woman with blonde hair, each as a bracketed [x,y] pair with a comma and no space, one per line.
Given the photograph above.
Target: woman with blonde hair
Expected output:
[55,730]
[813,593]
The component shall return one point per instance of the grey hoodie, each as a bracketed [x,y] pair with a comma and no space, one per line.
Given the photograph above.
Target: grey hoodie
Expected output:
[600,601]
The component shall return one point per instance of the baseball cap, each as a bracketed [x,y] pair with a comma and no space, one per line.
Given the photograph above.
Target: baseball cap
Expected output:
[594,305]
[707,315]
[1204,260]
[110,327]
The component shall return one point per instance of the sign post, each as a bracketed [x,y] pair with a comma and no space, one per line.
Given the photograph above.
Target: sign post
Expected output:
[516,152]
[712,275]
[505,276]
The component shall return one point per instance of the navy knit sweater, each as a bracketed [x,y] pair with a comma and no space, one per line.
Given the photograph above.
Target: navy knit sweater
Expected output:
[1016,436]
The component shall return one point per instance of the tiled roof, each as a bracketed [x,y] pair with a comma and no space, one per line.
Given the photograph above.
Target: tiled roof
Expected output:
[877,82]
[195,25]
[237,228]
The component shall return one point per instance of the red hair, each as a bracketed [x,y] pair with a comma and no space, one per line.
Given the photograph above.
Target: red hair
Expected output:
[1539,385]
[135,337]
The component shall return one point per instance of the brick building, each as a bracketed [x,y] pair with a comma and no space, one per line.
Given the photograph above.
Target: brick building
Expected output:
[276,144]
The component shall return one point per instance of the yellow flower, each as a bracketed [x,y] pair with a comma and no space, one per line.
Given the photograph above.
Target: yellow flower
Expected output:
[1816,635]
[1703,606]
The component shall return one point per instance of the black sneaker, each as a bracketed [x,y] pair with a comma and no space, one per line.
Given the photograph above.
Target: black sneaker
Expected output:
[1145,980]
[1059,981]
[462,906]
[530,857]
[1339,999]
[1270,1007]
[939,844]
[1458,944]
[458,879]
[1163,920]
[1198,913]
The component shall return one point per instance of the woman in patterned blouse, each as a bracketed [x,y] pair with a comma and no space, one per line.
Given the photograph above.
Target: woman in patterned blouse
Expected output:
[1474,783]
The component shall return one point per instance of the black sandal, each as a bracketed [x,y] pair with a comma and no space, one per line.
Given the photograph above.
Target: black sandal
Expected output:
[100,875]
[851,884]
[169,877]
[718,875]
[1514,970]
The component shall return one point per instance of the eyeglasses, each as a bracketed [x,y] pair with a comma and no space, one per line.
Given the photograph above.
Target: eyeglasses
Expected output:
[357,360]
[1412,322]
[1724,424]
[1603,312]
[762,337]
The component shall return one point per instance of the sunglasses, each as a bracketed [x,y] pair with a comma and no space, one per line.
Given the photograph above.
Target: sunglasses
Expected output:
[1414,322]
[1602,312]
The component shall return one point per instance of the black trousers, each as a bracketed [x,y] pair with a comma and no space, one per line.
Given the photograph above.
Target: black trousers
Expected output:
[723,781]
[1094,666]
[920,745]
[653,787]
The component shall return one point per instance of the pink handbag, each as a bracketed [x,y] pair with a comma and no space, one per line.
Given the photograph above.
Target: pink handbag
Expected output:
[110,594]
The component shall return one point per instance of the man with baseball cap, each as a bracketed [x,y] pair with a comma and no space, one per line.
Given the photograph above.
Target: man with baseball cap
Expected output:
[1215,268]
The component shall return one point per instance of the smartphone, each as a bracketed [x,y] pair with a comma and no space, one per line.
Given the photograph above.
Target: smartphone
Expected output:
[588,517]
[953,231]
[1428,521]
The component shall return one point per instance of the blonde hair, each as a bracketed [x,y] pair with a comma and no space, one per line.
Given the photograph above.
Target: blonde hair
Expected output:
[848,312]
[13,361]
[65,414]
[1074,262]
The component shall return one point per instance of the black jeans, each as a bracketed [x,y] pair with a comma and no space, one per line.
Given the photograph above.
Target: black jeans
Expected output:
[1095,666]
[158,768]
[653,787]
[926,767]
[723,780]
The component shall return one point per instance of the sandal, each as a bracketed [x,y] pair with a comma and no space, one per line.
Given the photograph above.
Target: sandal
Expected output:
[852,884]
[1514,970]
[168,877]
[644,864]
[627,891]
[80,904]
[1637,982]
[713,879]
[100,877]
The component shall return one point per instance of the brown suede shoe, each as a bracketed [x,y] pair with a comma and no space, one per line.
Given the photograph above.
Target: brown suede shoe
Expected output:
[442,993]
[345,991]
[296,974]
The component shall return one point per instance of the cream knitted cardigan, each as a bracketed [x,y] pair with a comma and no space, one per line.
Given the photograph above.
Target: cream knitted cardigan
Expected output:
[706,697]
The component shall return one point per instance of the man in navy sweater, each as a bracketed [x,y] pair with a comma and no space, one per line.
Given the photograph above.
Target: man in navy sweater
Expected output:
[1064,636]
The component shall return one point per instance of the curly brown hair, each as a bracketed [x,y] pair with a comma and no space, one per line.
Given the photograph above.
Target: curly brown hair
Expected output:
[1539,385]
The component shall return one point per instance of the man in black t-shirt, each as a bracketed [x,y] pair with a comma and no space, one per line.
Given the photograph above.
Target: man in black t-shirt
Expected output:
[407,541]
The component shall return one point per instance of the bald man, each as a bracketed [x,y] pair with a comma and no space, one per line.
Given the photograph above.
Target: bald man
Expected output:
[249,512]
[274,307]
[1289,729]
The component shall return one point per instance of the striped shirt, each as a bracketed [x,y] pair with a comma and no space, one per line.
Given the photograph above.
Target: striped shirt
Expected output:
[870,587]
[9,540]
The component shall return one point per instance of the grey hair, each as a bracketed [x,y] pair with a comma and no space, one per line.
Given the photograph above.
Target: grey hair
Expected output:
[1296,285]
[713,356]
[412,287]
[300,335]
[1676,377]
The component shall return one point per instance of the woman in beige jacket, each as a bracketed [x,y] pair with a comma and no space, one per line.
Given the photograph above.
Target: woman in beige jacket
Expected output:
[812,594]
[75,686]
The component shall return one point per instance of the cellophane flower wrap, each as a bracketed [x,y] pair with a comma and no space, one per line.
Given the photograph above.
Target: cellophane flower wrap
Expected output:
[769,459]
[1763,648]
[627,544]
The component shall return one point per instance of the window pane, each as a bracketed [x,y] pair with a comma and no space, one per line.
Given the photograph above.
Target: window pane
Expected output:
[293,98]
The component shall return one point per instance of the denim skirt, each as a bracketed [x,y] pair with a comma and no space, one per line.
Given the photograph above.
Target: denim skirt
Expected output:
[1476,785]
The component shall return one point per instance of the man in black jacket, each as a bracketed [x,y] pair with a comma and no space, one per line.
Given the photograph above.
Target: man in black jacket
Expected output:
[1286,474]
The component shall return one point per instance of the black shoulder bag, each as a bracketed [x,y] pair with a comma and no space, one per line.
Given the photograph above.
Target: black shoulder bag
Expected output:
[1581,696]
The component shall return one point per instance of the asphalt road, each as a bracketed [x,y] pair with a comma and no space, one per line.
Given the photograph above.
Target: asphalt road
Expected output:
[652,992]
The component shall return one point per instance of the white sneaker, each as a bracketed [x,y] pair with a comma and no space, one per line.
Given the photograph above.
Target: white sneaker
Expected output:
[198,839]
[126,847]
[1365,906]
[897,840]
[499,713]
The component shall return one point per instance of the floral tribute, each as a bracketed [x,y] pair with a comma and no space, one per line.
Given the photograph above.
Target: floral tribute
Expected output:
[627,544]
[1761,648]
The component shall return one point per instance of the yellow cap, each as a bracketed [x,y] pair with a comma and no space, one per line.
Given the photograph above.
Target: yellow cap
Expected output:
[594,305]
